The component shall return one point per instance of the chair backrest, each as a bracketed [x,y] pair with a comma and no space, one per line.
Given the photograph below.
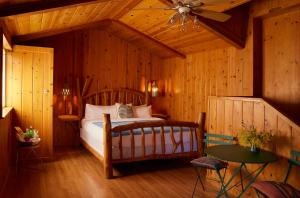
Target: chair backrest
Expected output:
[218,139]
[293,161]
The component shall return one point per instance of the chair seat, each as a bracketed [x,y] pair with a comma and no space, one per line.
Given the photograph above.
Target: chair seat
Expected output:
[274,189]
[210,163]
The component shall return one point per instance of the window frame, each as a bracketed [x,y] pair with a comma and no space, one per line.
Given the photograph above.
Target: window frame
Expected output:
[1,72]
[3,80]
[5,45]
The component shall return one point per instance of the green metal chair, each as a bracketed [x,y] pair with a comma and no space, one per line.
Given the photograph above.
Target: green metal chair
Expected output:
[210,163]
[274,189]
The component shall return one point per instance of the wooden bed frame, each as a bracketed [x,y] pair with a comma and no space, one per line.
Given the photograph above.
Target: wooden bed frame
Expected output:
[125,96]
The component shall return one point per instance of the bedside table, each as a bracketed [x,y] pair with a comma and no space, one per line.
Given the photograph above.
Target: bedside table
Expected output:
[162,116]
[74,122]
[69,118]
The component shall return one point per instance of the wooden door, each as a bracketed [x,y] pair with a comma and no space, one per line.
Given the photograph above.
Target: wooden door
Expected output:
[30,91]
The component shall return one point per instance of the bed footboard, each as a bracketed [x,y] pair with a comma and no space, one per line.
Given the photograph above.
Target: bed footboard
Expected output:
[153,128]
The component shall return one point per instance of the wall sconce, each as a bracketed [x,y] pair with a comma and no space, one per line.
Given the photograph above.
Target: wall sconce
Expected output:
[66,92]
[154,88]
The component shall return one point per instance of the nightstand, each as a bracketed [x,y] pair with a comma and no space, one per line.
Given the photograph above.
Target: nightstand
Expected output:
[162,116]
[74,122]
[69,118]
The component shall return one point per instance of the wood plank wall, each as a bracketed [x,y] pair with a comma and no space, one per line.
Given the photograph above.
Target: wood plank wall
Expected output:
[5,148]
[68,63]
[111,61]
[226,114]
[229,71]
[29,90]
[281,63]
[115,63]
[188,83]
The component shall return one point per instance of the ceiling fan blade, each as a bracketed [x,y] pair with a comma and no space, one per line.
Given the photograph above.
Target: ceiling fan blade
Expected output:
[217,16]
[214,2]
[173,19]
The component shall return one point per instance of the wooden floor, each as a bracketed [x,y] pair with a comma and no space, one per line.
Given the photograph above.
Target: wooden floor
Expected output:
[76,173]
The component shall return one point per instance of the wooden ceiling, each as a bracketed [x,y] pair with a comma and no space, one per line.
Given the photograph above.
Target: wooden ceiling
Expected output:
[152,23]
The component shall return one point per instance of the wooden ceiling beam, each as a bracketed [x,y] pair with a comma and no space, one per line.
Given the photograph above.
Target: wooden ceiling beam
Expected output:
[36,6]
[234,31]
[99,24]
[113,26]
[147,38]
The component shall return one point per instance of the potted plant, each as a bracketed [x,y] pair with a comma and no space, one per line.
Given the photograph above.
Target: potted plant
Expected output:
[249,136]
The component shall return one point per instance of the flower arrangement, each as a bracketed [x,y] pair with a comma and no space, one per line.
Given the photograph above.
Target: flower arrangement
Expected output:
[249,136]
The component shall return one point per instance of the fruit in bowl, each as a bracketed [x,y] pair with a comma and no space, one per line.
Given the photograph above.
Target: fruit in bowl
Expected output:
[29,137]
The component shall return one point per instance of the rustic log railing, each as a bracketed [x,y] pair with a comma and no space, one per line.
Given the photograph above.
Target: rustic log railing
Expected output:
[194,130]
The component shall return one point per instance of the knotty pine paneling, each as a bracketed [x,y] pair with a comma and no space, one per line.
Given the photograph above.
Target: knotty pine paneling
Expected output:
[67,16]
[68,54]
[229,71]
[115,63]
[188,83]
[29,91]
[5,148]
[256,112]
[109,60]
[281,62]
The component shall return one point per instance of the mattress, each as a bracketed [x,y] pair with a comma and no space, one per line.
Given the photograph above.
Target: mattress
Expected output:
[92,133]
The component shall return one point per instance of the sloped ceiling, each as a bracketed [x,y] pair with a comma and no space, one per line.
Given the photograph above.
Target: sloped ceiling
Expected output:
[151,23]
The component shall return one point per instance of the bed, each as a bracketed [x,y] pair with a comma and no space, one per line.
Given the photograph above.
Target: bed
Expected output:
[115,140]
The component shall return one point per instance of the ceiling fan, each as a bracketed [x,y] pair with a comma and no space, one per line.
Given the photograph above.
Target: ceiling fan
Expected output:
[188,9]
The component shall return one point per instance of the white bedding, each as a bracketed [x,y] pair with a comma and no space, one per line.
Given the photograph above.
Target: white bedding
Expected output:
[93,136]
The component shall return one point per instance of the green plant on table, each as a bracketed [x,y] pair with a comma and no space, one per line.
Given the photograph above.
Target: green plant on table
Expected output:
[30,134]
[249,136]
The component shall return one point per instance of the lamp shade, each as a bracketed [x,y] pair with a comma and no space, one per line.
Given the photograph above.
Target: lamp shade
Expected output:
[66,90]
[154,88]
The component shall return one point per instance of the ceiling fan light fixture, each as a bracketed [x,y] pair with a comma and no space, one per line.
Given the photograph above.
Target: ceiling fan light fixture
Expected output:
[173,19]
[196,23]
[189,13]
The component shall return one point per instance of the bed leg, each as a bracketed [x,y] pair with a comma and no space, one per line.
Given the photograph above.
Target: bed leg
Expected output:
[107,162]
[200,133]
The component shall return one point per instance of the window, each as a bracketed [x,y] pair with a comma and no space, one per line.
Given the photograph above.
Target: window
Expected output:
[3,78]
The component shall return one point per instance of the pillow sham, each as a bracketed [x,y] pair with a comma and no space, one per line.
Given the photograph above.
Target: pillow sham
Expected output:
[97,111]
[142,111]
[124,111]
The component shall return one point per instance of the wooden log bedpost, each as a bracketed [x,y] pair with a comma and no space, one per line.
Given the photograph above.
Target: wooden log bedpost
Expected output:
[80,105]
[147,99]
[200,133]
[107,162]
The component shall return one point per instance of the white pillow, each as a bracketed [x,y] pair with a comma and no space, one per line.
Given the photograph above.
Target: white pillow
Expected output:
[96,111]
[142,111]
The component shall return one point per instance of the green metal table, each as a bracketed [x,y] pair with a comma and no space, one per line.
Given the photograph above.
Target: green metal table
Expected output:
[243,156]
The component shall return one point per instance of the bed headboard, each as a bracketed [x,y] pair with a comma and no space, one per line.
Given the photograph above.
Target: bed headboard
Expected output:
[112,96]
